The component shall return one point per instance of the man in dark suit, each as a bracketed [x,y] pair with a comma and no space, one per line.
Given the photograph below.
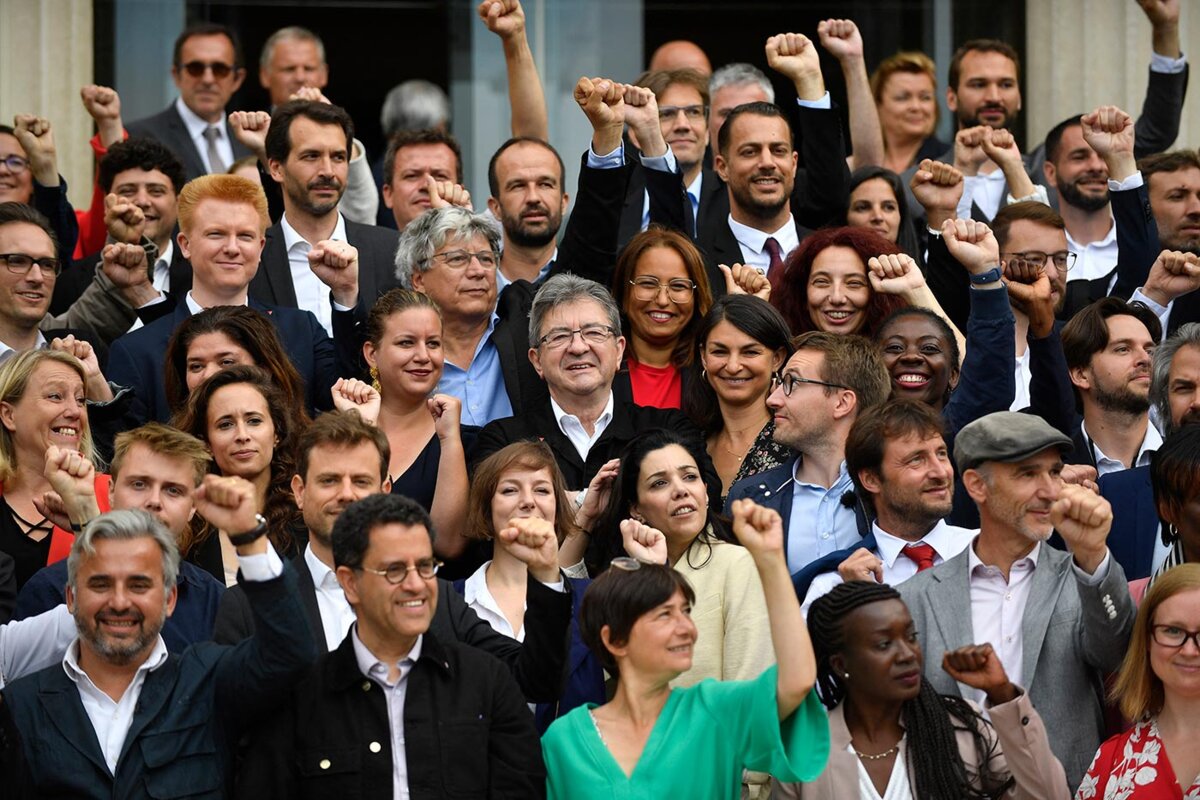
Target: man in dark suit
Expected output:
[343,459]
[308,153]
[827,383]
[576,347]
[221,220]
[180,715]
[207,68]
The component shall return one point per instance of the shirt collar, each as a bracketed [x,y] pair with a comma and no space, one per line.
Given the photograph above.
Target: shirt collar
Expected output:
[974,562]
[165,255]
[1109,238]
[941,538]
[502,280]
[843,479]
[1151,442]
[158,656]
[7,352]
[194,124]
[756,240]
[196,308]
[291,238]
[368,663]
[693,188]
[323,577]
[561,416]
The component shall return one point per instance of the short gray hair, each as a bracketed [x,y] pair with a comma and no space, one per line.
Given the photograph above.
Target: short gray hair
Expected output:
[414,105]
[740,73]
[569,288]
[290,32]
[125,525]
[430,231]
[1164,354]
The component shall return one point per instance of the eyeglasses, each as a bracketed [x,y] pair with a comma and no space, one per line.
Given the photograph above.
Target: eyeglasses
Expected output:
[788,383]
[20,264]
[459,259]
[220,70]
[396,573]
[1063,259]
[693,113]
[559,338]
[16,164]
[679,290]
[1173,637]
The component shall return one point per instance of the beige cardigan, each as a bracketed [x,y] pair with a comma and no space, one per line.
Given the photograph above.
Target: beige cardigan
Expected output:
[730,613]
[1023,751]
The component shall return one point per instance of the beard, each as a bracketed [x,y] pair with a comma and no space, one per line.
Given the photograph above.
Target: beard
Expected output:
[751,204]
[1070,193]
[973,121]
[914,509]
[1122,399]
[302,198]
[1190,245]
[120,651]
[536,235]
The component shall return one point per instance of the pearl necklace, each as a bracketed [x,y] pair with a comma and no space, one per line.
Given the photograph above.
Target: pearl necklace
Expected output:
[864,756]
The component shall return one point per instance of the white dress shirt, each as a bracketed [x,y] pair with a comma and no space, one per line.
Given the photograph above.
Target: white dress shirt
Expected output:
[1094,259]
[195,308]
[7,352]
[311,294]
[753,242]
[1022,374]
[1106,464]
[337,616]
[947,541]
[196,128]
[573,429]
[986,190]
[394,693]
[112,719]
[479,598]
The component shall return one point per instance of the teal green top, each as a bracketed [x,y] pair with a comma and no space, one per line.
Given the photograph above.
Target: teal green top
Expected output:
[703,739]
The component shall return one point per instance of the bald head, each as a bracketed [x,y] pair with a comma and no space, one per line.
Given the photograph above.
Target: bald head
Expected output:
[680,54]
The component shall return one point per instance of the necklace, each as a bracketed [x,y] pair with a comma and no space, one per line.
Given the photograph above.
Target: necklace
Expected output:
[729,433]
[876,757]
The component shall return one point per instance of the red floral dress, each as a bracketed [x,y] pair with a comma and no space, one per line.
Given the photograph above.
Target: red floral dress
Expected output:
[1134,766]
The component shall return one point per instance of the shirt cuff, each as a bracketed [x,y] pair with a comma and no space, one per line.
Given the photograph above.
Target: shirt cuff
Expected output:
[261,567]
[1097,577]
[559,585]
[663,163]
[160,299]
[612,160]
[1039,196]
[339,307]
[821,102]
[1166,64]
[1133,181]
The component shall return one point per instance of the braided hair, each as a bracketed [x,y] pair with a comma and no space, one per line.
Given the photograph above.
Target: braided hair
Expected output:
[931,720]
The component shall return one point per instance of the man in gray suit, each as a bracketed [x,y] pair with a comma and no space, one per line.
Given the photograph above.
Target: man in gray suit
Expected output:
[207,70]
[1057,620]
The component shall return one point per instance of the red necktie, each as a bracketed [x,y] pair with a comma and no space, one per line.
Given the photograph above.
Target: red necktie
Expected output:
[920,554]
[776,252]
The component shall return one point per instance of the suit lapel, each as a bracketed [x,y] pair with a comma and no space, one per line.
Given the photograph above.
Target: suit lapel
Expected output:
[64,708]
[181,142]
[1049,577]
[952,588]
[272,284]
[154,694]
[543,421]
[179,275]
[308,596]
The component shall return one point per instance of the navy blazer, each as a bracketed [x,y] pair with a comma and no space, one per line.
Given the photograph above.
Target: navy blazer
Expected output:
[192,710]
[773,489]
[168,128]
[1135,525]
[195,609]
[136,359]
[803,579]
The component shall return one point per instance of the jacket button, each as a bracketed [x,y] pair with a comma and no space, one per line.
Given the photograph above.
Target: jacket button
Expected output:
[324,763]
[1024,720]
[375,747]
[366,686]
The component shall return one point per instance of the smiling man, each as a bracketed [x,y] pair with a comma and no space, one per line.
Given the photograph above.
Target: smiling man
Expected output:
[207,69]
[397,709]
[1058,620]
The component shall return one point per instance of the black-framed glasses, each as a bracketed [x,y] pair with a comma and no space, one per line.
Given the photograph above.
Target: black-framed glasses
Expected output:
[1063,259]
[679,290]
[20,264]
[559,338]
[459,259]
[220,70]
[788,383]
[693,113]
[396,573]
[1174,637]
[16,164]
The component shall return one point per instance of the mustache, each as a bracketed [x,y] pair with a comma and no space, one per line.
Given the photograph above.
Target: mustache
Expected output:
[325,183]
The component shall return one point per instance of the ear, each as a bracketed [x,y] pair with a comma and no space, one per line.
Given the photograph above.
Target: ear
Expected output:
[369,348]
[70,599]
[606,639]
[172,598]
[275,167]
[418,281]
[795,161]
[721,167]
[298,491]
[870,481]
[264,78]
[349,583]
[536,359]
[387,194]
[175,76]
[975,485]
[837,663]
[1080,378]
[1049,171]
[386,486]
[954,376]
[620,348]
[778,360]
[184,246]
[494,207]
[6,415]
[951,99]
[239,75]
[846,404]
[566,201]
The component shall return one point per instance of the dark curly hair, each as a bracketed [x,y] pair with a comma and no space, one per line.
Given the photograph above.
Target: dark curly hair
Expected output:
[140,152]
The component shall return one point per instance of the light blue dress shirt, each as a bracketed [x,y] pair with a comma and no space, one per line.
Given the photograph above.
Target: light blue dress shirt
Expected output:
[819,523]
[480,386]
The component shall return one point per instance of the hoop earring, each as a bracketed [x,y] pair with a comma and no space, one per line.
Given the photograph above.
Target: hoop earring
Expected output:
[703,374]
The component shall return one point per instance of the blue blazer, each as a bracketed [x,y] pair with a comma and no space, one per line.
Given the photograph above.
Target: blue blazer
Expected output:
[803,579]
[1135,524]
[585,676]
[136,359]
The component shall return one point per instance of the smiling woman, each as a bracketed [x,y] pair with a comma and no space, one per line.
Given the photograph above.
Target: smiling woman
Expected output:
[41,406]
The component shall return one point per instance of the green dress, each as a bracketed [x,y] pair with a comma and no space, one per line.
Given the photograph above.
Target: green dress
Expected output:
[704,737]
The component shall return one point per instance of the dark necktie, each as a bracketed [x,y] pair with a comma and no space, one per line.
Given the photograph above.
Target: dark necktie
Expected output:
[776,253]
[920,554]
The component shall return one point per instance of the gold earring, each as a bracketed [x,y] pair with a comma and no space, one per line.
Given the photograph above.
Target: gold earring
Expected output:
[375,379]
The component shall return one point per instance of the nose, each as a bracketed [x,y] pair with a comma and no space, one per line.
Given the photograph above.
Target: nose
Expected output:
[525,500]
[991,92]
[876,213]
[154,499]
[837,294]
[413,582]
[420,352]
[775,399]
[733,364]
[346,490]
[243,432]
[142,198]
[577,344]
[912,355]
[119,599]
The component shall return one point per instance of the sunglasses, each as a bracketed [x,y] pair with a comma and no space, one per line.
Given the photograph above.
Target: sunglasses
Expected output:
[197,69]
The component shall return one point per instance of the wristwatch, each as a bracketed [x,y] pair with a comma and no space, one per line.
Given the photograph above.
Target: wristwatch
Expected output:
[991,276]
[254,534]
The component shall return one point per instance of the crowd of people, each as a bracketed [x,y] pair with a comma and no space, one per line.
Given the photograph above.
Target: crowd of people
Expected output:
[797,462]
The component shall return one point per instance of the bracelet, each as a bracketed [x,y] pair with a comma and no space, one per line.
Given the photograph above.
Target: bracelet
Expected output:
[252,535]
[991,276]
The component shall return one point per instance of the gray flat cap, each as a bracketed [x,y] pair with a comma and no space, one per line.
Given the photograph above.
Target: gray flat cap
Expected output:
[1005,436]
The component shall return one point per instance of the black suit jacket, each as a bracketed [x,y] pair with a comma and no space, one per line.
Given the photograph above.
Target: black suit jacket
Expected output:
[538,665]
[169,129]
[272,284]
